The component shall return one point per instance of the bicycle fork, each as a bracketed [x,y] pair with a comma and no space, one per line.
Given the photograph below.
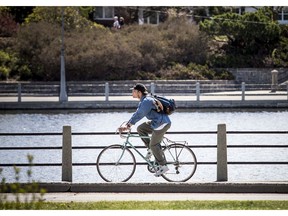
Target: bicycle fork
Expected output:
[123,150]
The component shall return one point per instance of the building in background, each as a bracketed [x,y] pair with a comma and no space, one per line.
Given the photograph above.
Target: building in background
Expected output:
[140,15]
[150,15]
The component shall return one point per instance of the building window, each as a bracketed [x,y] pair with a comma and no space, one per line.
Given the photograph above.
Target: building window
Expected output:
[103,13]
[239,10]
[151,18]
[283,17]
[109,12]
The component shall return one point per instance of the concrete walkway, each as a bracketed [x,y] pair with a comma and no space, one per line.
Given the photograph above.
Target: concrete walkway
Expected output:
[235,95]
[253,99]
[95,197]
[91,192]
[92,197]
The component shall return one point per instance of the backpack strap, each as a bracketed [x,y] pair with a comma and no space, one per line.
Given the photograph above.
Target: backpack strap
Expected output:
[158,105]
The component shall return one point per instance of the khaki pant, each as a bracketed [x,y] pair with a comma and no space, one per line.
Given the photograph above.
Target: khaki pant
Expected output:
[154,143]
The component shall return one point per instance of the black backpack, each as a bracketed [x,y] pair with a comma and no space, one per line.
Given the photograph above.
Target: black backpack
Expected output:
[164,105]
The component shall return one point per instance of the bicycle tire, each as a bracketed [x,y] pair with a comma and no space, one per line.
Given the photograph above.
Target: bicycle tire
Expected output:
[108,168]
[181,161]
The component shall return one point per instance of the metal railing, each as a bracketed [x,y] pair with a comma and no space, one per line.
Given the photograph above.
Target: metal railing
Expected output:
[108,89]
[221,147]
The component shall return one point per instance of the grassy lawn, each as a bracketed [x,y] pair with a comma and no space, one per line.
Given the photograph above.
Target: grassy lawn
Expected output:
[151,205]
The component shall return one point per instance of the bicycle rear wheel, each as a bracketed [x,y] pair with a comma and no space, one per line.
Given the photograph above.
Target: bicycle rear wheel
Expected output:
[116,164]
[181,161]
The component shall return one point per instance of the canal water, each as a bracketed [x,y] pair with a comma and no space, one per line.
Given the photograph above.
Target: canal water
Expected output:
[108,121]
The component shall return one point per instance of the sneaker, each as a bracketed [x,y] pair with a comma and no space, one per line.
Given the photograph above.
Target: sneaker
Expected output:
[149,154]
[161,170]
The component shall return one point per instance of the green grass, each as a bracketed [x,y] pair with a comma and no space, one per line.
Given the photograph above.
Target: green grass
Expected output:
[151,205]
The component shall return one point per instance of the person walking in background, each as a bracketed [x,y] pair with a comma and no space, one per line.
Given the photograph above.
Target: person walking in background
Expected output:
[121,22]
[157,125]
[116,24]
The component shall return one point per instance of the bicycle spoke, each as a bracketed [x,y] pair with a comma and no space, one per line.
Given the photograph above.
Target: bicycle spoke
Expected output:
[181,162]
[115,164]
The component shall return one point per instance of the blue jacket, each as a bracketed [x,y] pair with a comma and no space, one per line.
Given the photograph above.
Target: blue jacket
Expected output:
[147,108]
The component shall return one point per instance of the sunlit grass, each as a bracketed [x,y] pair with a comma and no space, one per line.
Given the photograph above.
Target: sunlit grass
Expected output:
[153,205]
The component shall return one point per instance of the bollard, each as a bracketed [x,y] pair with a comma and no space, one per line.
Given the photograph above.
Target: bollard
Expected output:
[274,84]
[63,97]
[243,91]
[198,91]
[67,154]
[153,88]
[19,92]
[221,153]
[107,91]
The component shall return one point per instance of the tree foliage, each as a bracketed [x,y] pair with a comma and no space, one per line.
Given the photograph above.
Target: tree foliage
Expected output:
[280,53]
[102,54]
[73,17]
[249,36]
[8,26]
[175,49]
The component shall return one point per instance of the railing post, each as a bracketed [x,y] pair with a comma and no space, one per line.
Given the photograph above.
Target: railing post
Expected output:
[243,91]
[221,153]
[152,88]
[198,91]
[107,91]
[287,90]
[19,92]
[67,154]
[274,84]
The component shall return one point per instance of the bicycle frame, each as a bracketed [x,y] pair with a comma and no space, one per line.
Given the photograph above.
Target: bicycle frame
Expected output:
[128,143]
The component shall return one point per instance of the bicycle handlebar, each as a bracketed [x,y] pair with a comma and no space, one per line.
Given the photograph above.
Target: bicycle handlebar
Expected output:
[165,139]
[120,132]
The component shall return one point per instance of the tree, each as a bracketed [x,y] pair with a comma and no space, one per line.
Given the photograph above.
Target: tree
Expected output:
[249,36]
[280,53]
[72,17]
[8,26]
[20,13]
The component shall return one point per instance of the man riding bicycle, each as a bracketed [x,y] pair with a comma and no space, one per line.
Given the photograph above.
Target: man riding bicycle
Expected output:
[157,125]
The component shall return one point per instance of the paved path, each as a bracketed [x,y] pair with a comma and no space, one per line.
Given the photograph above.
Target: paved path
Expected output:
[86,197]
[94,197]
[221,96]
[253,99]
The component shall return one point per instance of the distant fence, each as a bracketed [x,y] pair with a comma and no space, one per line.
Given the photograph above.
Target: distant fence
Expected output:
[122,88]
[221,146]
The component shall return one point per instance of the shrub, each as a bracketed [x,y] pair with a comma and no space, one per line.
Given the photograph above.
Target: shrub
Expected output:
[102,55]
[280,53]
[53,15]
[30,194]
[185,43]
[8,26]
[180,72]
[135,52]
[38,47]
[7,64]
[203,70]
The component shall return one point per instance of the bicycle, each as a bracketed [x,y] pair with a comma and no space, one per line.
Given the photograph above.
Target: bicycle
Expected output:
[117,163]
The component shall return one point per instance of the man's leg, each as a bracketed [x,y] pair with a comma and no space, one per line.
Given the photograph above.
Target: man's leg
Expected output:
[155,144]
[143,130]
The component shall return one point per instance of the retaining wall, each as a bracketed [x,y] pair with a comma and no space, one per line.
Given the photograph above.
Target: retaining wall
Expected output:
[258,75]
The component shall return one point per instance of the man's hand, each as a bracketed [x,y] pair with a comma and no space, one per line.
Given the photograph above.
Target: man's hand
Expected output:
[123,128]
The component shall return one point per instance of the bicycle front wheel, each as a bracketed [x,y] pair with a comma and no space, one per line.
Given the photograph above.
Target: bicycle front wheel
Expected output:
[116,164]
[181,162]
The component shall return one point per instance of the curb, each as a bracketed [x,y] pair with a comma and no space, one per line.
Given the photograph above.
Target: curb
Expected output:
[213,187]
